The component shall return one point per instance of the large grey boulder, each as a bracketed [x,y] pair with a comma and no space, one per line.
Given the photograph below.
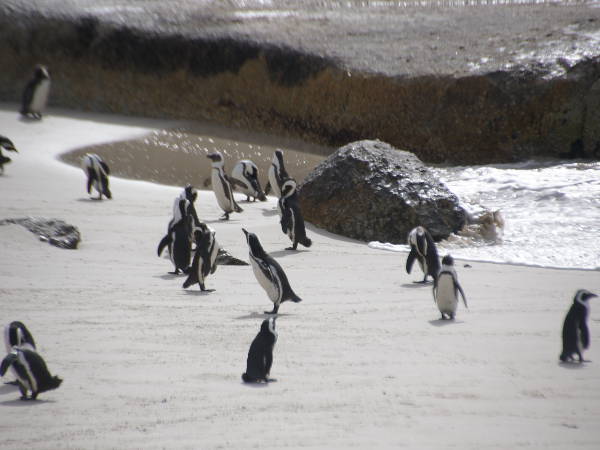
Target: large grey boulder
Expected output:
[368,190]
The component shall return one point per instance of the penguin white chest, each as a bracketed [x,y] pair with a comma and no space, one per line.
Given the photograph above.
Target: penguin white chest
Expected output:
[221,189]
[446,297]
[40,96]
[272,288]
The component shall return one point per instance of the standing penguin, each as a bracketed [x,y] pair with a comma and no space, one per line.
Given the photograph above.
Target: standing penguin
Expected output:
[32,373]
[260,354]
[423,249]
[269,274]
[177,239]
[205,257]
[5,144]
[245,176]
[277,174]
[575,333]
[35,95]
[292,222]
[97,175]
[183,207]
[222,187]
[16,334]
[446,288]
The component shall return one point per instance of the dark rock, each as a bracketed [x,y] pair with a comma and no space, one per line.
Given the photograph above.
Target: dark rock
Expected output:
[55,232]
[368,190]
[225,259]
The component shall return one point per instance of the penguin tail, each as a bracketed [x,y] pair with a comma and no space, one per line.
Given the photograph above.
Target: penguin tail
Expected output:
[191,279]
[55,382]
[295,298]
[306,242]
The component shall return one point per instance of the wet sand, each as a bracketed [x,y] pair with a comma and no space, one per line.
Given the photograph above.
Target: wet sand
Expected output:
[178,156]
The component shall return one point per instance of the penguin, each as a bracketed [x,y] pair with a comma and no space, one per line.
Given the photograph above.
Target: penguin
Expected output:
[269,274]
[182,209]
[423,249]
[31,370]
[245,176]
[5,144]
[97,175]
[35,95]
[16,334]
[205,257]
[575,333]
[291,221]
[222,187]
[277,174]
[446,289]
[260,354]
[177,239]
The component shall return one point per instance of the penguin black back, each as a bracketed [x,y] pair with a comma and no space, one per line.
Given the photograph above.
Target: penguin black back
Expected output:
[260,354]
[32,373]
[575,333]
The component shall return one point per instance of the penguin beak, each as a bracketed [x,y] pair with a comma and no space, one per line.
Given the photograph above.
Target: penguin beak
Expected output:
[211,156]
[245,232]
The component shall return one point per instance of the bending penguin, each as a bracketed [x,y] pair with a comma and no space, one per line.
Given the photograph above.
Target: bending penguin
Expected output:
[446,289]
[269,274]
[277,174]
[423,249]
[205,257]
[5,144]
[245,177]
[177,239]
[31,370]
[575,333]
[16,334]
[292,222]
[222,187]
[97,175]
[260,354]
[35,94]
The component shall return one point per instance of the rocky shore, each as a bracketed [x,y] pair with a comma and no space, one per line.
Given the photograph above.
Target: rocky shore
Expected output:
[451,81]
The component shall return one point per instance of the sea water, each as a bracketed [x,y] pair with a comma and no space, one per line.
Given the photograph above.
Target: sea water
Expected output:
[551,211]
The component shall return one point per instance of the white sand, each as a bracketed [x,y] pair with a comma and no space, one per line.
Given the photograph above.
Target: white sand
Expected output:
[362,362]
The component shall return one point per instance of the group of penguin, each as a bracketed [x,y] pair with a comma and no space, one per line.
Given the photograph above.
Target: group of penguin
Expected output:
[186,233]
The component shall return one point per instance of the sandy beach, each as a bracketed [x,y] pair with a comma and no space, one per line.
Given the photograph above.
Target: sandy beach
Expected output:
[362,362]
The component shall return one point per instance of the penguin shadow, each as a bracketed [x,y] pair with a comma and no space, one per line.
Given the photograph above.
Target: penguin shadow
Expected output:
[29,119]
[89,200]
[224,222]
[197,292]
[257,315]
[19,402]
[269,212]
[572,365]
[417,285]
[444,322]
[169,276]
[280,253]
[255,385]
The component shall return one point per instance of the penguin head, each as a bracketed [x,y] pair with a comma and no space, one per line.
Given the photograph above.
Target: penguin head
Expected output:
[448,261]
[268,326]
[288,188]
[254,244]
[40,72]
[216,158]
[190,193]
[278,158]
[7,144]
[583,295]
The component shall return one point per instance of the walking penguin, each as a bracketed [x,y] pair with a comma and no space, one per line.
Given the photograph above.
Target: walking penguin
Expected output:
[260,354]
[446,289]
[178,237]
[97,172]
[31,371]
[245,176]
[422,248]
[35,94]
[222,187]
[205,257]
[269,274]
[292,222]
[575,333]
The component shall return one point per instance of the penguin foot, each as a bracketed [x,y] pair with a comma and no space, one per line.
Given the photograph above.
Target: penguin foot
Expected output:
[291,248]
[270,380]
[224,217]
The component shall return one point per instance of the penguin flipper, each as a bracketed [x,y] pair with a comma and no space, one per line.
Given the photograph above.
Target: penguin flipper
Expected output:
[163,243]
[105,167]
[7,362]
[411,259]
[235,182]
[27,98]
[462,294]
[91,178]
[584,333]
[267,188]
[191,279]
